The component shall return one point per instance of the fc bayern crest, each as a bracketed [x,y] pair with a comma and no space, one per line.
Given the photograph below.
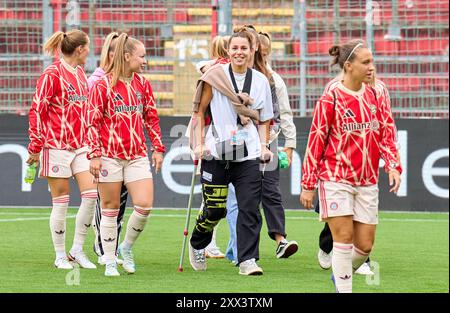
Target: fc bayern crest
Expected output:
[375,125]
[334,206]
[104,173]
[55,169]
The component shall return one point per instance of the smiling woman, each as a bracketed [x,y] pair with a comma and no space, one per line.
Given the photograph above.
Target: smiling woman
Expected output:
[121,105]
[239,51]
[237,101]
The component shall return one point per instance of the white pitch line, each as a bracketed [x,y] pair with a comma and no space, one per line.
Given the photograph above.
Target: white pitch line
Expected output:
[193,215]
[31,219]
[24,213]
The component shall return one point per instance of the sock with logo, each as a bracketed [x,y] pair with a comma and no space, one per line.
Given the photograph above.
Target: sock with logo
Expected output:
[341,263]
[84,218]
[58,224]
[359,257]
[108,233]
[135,226]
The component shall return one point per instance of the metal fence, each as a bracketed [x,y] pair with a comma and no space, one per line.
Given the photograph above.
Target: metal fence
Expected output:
[409,40]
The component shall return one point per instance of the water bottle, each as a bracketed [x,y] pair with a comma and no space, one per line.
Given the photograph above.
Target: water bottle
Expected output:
[283,161]
[31,173]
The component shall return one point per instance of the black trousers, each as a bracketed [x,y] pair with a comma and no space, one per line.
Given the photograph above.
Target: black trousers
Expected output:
[98,248]
[246,178]
[271,197]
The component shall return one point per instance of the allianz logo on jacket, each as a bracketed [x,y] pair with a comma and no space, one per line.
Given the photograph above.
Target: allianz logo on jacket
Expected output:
[128,108]
[350,127]
[74,97]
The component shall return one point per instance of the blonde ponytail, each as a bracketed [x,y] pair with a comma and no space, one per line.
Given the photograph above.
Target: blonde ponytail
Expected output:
[108,46]
[124,44]
[53,44]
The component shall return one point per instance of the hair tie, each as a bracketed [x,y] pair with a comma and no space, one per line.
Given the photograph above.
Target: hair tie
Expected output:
[65,35]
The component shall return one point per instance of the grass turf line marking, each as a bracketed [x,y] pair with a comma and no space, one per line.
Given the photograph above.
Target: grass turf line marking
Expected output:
[183,216]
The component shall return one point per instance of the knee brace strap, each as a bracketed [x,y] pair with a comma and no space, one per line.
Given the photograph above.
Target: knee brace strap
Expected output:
[215,196]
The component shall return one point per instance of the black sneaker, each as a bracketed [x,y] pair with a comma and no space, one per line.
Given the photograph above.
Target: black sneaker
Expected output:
[286,249]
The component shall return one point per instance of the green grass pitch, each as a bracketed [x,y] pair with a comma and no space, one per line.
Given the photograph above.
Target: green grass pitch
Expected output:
[411,254]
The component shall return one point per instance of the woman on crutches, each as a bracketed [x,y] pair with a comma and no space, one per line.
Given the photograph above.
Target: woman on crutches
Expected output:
[231,150]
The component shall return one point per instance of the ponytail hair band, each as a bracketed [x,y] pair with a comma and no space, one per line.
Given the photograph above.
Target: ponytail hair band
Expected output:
[353,51]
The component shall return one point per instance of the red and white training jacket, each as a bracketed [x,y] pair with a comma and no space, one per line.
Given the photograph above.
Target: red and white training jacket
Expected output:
[56,114]
[116,117]
[349,133]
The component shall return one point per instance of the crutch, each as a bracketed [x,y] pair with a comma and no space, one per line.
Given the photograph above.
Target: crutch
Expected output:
[188,216]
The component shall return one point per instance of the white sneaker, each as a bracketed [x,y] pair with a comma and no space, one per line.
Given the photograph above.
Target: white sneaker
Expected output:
[100,261]
[81,258]
[214,253]
[250,267]
[63,263]
[197,258]
[111,269]
[364,270]
[119,261]
[324,259]
[128,260]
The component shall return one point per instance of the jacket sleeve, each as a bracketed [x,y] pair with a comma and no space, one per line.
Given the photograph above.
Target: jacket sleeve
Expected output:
[287,121]
[151,119]
[388,146]
[45,90]
[94,115]
[320,127]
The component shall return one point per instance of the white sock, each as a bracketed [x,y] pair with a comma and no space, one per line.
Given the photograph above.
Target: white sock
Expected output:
[359,257]
[213,243]
[136,225]
[58,224]
[108,232]
[61,254]
[84,218]
[341,263]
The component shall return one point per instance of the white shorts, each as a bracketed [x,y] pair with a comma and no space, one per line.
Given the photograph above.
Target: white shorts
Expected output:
[337,199]
[117,170]
[63,163]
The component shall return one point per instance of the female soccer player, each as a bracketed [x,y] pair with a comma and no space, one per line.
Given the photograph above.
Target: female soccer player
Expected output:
[326,238]
[56,130]
[351,129]
[231,150]
[105,60]
[121,105]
